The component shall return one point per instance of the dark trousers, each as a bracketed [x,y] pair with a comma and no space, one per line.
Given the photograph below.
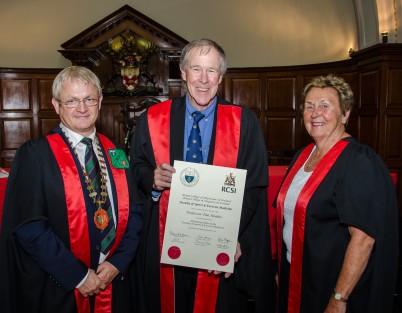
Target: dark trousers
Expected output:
[185,284]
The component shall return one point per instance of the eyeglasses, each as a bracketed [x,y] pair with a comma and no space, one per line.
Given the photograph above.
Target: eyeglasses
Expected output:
[73,103]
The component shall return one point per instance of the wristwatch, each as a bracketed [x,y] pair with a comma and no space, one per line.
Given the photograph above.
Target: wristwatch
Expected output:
[338,296]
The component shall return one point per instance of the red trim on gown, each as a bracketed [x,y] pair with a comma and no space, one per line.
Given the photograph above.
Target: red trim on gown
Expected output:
[77,214]
[227,130]
[321,170]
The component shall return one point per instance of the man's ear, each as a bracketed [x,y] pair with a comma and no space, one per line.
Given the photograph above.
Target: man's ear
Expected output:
[183,75]
[56,105]
[100,102]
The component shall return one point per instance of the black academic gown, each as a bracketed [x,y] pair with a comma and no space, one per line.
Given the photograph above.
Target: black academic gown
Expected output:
[35,192]
[252,274]
[357,191]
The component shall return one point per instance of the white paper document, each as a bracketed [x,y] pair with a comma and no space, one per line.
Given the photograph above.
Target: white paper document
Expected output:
[203,218]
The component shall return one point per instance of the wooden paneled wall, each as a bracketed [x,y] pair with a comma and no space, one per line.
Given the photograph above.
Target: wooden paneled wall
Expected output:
[375,75]
[26,110]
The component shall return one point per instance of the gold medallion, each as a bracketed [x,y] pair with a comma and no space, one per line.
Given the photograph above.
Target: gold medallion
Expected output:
[101,219]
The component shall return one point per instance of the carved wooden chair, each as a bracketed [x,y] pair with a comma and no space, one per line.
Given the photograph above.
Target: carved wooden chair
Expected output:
[131,112]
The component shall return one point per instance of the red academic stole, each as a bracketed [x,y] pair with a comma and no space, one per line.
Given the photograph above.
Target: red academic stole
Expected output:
[227,130]
[299,219]
[77,214]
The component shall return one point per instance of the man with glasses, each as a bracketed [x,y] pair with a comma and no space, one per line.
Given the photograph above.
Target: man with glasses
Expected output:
[72,216]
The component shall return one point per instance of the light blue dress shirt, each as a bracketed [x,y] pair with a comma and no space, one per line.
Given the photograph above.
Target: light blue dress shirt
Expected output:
[205,125]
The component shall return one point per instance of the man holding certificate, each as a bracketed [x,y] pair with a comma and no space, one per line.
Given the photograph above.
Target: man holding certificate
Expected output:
[202,128]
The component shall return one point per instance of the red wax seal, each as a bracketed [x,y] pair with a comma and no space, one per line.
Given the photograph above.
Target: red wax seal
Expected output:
[222,259]
[174,252]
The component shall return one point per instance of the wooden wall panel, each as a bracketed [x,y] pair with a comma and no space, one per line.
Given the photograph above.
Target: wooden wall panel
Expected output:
[110,120]
[280,133]
[393,145]
[247,92]
[352,78]
[279,139]
[16,94]
[281,94]
[369,89]
[390,148]
[46,125]
[368,108]
[281,116]
[244,90]
[16,132]
[353,126]
[45,95]
[394,88]
[368,131]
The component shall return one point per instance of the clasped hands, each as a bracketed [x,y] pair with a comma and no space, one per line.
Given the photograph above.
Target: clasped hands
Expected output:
[162,180]
[99,280]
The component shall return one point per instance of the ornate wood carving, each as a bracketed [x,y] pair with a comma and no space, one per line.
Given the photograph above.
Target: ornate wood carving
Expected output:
[91,48]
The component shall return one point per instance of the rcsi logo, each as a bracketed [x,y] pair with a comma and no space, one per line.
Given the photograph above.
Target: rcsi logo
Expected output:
[189,177]
[229,185]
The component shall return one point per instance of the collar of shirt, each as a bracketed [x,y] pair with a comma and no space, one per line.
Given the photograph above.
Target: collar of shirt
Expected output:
[206,126]
[207,112]
[75,139]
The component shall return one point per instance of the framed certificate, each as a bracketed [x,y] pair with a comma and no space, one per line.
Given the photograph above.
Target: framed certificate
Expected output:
[203,217]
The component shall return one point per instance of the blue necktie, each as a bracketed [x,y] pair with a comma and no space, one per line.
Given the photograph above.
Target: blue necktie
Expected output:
[194,145]
[92,168]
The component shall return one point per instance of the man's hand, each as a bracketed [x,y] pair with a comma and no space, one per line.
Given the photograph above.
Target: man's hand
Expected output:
[163,176]
[236,258]
[106,272]
[91,285]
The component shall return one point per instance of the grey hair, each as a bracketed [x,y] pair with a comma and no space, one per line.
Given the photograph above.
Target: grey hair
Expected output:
[204,45]
[343,89]
[74,73]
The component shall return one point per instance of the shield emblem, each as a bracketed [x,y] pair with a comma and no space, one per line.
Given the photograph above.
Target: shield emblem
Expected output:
[189,176]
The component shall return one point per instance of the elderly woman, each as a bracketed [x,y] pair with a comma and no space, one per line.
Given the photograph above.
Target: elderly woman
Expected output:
[337,215]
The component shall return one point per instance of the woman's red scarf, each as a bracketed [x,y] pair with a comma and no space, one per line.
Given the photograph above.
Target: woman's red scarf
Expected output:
[299,219]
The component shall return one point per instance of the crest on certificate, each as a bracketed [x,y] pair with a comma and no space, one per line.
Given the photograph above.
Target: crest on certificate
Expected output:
[230,180]
[189,177]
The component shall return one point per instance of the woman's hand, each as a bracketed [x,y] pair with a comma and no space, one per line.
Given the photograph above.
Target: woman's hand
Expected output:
[335,306]
[356,258]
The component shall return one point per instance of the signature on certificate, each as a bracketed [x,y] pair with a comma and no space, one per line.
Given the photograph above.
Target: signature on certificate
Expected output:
[224,240]
[177,236]
[223,243]
[202,241]
[181,235]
